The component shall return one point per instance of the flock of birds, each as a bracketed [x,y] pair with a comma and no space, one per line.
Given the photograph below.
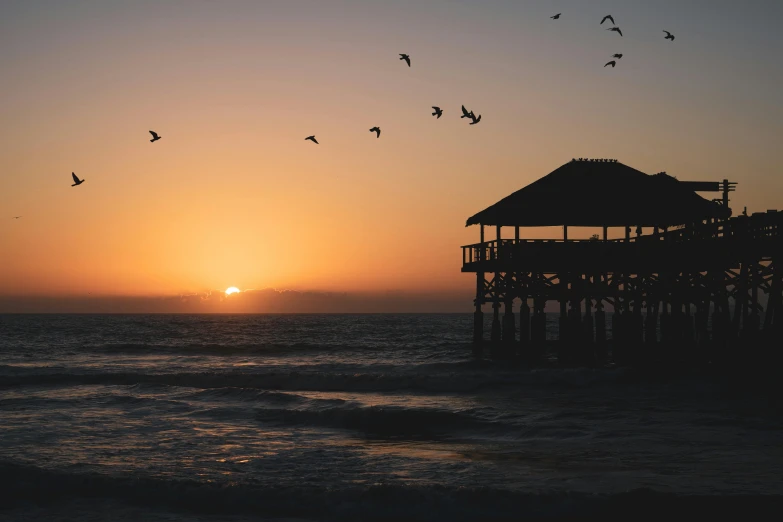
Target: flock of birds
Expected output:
[438,112]
[613,63]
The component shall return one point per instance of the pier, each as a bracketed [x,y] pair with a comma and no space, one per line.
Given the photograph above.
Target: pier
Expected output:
[671,276]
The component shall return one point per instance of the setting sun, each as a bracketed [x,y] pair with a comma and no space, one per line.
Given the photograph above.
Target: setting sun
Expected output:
[232,290]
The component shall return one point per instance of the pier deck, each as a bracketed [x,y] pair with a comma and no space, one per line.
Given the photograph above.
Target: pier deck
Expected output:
[697,281]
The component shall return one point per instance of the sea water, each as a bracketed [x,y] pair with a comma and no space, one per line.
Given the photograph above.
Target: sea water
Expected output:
[355,417]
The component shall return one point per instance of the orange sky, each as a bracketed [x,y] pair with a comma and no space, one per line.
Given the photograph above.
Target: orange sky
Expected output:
[233,196]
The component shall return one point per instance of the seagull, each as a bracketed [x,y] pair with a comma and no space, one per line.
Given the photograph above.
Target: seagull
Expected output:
[76,181]
[155,137]
[475,120]
[556,16]
[438,111]
[312,138]
[406,58]
[376,130]
[669,36]
[612,63]
[618,56]
[465,113]
[608,17]
[615,29]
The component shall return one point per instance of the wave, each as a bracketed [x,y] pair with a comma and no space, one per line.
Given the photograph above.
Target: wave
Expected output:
[246,395]
[273,348]
[462,379]
[22,486]
[383,421]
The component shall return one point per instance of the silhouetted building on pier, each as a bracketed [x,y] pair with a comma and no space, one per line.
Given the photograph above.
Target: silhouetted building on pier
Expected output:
[683,278]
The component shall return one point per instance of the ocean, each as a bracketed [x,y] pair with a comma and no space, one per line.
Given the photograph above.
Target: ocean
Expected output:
[359,417]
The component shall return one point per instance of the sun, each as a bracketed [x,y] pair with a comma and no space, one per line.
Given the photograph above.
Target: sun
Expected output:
[232,290]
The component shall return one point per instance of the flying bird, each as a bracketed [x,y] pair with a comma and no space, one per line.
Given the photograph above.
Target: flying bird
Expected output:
[76,181]
[616,30]
[608,17]
[312,138]
[376,130]
[669,36]
[465,113]
[475,120]
[612,63]
[406,58]
[438,111]
[155,137]
[618,56]
[556,16]
[16,217]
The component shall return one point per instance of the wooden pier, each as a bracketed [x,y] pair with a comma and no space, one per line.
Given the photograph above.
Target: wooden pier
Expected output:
[682,281]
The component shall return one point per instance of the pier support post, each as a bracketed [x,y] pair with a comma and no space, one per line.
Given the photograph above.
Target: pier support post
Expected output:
[524,327]
[478,330]
[702,334]
[509,328]
[753,319]
[562,322]
[666,331]
[495,335]
[589,344]
[772,322]
[773,302]
[478,316]
[651,322]
[600,332]
[589,331]
[629,335]
[538,329]
[687,326]
[617,332]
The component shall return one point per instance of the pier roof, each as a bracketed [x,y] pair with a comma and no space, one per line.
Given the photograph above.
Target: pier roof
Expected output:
[598,193]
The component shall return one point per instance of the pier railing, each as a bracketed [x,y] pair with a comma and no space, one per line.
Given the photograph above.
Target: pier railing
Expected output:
[696,245]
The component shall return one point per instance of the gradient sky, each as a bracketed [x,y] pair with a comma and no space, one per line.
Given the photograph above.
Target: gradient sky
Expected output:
[233,196]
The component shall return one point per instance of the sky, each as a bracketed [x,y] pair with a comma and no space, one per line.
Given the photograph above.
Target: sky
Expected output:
[232,195]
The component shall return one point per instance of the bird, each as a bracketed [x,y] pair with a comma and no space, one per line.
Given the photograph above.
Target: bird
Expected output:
[438,111]
[16,217]
[475,120]
[312,138]
[618,56]
[616,30]
[612,63]
[376,130]
[556,16]
[406,58]
[465,113]
[155,137]
[76,181]
[669,36]
[608,17]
